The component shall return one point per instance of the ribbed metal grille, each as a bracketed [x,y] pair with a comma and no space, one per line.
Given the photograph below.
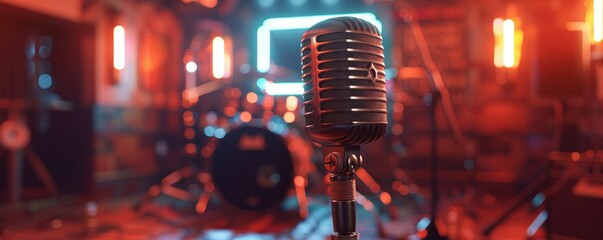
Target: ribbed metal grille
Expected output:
[346,72]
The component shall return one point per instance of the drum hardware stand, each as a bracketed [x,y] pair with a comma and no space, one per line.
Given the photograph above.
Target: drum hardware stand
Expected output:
[15,138]
[167,187]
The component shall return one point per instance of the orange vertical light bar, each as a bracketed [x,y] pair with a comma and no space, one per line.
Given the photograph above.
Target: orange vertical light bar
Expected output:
[508,43]
[597,20]
[119,47]
[218,59]
[497,28]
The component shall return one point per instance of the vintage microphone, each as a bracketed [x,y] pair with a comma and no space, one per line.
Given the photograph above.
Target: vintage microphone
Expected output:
[345,104]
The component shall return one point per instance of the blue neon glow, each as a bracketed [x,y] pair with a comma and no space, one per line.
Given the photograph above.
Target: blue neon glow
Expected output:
[265,3]
[537,223]
[276,89]
[261,83]
[538,199]
[297,3]
[209,131]
[291,23]
[220,133]
[423,223]
[330,2]
[263,49]
[44,81]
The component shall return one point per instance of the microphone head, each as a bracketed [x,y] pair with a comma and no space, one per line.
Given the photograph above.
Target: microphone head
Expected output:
[344,82]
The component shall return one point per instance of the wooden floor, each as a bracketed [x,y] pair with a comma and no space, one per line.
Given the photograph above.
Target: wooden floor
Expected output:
[166,218]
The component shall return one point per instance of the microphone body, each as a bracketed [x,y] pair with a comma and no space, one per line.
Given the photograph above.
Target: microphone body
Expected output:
[344,82]
[345,104]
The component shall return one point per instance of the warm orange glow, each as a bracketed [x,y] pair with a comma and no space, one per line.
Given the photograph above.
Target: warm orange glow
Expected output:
[246,117]
[397,129]
[232,92]
[204,177]
[268,102]
[575,156]
[597,20]
[188,118]
[209,187]
[497,28]
[119,47]
[300,192]
[189,133]
[291,103]
[227,64]
[206,152]
[230,111]
[368,180]
[218,63]
[396,184]
[289,117]
[202,203]
[252,97]
[385,198]
[209,3]
[299,181]
[190,149]
[508,43]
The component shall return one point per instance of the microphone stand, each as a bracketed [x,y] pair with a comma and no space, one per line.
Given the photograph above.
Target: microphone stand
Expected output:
[439,93]
[342,162]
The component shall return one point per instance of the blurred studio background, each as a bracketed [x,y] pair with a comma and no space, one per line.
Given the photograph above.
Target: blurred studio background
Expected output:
[139,119]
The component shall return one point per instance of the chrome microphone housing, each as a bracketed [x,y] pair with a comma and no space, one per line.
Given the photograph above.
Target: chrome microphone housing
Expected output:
[343,72]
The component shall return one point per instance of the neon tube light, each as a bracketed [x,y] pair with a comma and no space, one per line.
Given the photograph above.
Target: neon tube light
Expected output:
[597,20]
[497,28]
[508,43]
[119,47]
[291,23]
[275,89]
[218,64]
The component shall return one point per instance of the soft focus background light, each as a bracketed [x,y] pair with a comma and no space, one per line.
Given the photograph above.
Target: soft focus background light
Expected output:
[497,29]
[245,117]
[597,20]
[291,103]
[119,47]
[45,81]
[191,67]
[218,64]
[209,3]
[252,97]
[508,43]
[289,117]
[265,3]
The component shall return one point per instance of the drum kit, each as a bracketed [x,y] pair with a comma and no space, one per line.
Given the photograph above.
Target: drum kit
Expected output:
[252,170]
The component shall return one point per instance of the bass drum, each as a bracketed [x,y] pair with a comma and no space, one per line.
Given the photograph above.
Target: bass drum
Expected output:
[252,168]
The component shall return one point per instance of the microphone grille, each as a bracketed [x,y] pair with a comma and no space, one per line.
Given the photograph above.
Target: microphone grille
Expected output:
[343,72]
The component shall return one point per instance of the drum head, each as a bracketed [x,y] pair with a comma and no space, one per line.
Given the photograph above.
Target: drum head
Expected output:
[252,168]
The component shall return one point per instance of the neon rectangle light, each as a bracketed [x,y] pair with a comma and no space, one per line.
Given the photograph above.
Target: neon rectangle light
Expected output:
[292,23]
